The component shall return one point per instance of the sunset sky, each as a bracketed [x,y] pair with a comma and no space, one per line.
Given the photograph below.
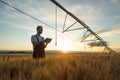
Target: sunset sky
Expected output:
[102,16]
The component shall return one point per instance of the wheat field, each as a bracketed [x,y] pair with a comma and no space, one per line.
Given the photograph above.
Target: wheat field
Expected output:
[60,67]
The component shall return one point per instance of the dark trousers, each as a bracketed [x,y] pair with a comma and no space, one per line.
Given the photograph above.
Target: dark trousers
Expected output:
[39,51]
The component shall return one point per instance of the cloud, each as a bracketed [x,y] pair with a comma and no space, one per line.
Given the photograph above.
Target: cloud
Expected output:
[35,8]
[111,31]
[14,25]
[97,44]
[115,1]
[9,23]
[117,17]
[45,11]
[87,13]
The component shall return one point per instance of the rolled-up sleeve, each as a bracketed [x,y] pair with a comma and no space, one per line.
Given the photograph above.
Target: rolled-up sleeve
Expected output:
[33,38]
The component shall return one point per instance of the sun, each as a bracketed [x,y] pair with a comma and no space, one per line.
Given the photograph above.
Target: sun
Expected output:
[65,45]
[65,49]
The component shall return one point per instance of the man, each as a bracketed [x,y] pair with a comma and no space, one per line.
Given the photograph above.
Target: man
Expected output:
[39,44]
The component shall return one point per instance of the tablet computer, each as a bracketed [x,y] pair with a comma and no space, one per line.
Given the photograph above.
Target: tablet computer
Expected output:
[48,40]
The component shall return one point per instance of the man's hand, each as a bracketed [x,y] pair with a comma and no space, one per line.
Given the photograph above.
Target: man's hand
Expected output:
[47,40]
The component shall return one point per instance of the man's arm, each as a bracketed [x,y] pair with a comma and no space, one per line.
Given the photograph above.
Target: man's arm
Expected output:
[37,43]
[46,44]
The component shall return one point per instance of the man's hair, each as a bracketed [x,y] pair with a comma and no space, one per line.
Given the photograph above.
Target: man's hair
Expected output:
[38,27]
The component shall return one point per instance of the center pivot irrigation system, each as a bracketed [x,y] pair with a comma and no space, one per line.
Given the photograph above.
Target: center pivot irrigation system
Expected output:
[98,41]
[88,30]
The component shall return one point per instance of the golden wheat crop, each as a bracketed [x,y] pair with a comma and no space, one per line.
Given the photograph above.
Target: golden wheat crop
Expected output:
[60,67]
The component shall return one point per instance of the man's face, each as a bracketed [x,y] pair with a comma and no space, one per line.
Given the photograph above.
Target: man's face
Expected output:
[39,30]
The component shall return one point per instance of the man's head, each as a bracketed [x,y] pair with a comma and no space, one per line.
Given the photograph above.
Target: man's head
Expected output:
[39,29]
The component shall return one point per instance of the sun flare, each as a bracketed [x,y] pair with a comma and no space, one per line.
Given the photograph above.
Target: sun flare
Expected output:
[64,49]
[65,45]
